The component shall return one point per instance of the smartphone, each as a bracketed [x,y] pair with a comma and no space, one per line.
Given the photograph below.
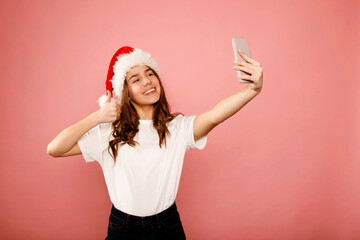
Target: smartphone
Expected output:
[242,45]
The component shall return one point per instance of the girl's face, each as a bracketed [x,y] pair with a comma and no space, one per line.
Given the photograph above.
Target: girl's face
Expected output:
[140,79]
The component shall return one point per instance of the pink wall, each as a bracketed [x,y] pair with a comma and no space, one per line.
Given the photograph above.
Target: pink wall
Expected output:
[284,167]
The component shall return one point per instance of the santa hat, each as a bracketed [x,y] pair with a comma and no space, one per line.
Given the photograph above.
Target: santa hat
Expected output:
[123,60]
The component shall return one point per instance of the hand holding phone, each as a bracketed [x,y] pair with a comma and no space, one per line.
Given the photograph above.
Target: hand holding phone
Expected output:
[242,45]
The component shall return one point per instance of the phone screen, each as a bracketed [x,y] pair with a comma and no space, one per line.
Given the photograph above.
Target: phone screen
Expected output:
[242,45]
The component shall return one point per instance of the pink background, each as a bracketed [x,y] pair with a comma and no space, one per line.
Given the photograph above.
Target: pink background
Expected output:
[286,166]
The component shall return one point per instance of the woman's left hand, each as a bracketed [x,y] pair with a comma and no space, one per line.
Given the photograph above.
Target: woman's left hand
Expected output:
[253,68]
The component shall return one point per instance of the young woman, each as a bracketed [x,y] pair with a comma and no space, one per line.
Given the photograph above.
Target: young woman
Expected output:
[141,146]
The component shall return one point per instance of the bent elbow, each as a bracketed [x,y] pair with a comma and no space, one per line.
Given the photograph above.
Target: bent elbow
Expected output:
[50,152]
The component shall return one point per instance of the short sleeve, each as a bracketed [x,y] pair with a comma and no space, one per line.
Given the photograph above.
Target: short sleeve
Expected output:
[93,142]
[187,126]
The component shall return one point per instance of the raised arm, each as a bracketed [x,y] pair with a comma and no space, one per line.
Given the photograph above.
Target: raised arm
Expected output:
[227,107]
[67,139]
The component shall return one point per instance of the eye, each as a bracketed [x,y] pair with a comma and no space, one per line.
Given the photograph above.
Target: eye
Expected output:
[136,80]
[151,74]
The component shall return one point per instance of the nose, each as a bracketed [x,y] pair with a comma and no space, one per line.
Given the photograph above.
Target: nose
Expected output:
[146,81]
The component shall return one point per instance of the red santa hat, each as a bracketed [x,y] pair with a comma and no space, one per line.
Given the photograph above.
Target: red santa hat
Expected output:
[123,60]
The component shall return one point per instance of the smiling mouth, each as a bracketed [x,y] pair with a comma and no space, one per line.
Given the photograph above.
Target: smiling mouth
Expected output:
[149,91]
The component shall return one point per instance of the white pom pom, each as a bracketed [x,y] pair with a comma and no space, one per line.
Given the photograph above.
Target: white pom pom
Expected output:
[102,100]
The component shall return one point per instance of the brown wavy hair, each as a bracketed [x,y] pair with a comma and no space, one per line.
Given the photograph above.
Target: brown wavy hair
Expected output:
[126,127]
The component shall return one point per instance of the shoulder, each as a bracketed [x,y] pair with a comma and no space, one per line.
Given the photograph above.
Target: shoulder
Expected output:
[182,121]
[102,128]
[175,122]
[177,119]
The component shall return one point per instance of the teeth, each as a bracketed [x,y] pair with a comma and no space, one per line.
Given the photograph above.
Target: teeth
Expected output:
[153,89]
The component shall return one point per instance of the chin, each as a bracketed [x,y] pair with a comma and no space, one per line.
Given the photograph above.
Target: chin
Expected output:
[150,102]
[156,100]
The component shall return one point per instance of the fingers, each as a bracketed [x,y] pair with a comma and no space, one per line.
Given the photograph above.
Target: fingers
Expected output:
[245,69]
[245,64]
[248,59]
[114,107]
[247,77]
[108,96]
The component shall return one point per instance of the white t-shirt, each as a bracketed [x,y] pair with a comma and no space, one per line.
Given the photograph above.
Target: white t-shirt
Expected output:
[145,178]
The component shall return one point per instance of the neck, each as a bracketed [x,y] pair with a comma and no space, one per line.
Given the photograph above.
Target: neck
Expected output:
[145,112]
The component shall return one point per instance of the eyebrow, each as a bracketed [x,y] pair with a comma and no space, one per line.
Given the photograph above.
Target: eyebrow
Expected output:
[138,74]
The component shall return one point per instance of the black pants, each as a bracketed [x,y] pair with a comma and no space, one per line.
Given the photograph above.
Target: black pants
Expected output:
[164,225]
